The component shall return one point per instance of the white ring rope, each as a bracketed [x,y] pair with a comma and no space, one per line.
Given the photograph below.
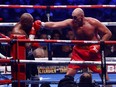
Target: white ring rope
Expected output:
[65,62]
[60,60]
[112,59]
[13,24]
[68,59]
[8,24]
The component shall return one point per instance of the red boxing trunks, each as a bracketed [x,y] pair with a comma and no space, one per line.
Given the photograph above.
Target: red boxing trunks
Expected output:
[81,53]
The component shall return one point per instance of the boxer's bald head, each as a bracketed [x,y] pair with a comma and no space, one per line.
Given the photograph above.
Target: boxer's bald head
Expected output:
[78,16]
[78,11]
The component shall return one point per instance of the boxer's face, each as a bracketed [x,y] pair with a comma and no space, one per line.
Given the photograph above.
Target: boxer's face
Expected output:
[78,19]
[78,16]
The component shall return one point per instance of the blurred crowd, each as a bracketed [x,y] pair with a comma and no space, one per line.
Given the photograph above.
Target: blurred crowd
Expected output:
[106,14]
[13,15]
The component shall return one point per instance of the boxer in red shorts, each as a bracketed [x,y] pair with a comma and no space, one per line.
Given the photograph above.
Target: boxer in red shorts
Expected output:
[82,53]
[85,28]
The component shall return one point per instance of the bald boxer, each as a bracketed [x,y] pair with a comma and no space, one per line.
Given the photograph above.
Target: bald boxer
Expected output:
[84,28]
[24,27]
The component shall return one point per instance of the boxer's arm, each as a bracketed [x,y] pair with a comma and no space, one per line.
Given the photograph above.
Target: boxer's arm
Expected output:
[51,25]
[103,30]
[36,26]
[32,33]
[57,25]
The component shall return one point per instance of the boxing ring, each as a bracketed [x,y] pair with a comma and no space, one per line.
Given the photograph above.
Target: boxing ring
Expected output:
[18,60]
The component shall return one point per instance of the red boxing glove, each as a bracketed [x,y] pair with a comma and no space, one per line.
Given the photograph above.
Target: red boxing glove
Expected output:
[94,48]
[37,25]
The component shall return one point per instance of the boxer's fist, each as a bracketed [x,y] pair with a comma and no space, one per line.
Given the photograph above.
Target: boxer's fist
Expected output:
[37,25]
[94,48]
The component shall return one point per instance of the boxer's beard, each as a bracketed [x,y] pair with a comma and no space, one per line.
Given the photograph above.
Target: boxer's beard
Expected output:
[80,22]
